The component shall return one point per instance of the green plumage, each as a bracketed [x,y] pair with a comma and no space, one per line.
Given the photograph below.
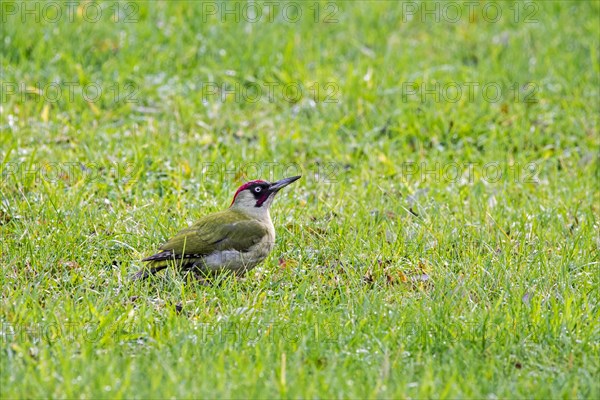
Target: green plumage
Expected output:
[235,240]
[225,230]
[220,231]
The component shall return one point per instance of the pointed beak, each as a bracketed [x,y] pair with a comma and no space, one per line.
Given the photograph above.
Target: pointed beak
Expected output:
[276,186]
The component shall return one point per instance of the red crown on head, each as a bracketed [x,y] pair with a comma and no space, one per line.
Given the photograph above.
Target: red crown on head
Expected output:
[244,187]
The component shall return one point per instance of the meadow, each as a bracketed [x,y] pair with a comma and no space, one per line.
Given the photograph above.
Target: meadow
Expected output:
[442,243]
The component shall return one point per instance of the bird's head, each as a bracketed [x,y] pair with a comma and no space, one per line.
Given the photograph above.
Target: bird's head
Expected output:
[255,197]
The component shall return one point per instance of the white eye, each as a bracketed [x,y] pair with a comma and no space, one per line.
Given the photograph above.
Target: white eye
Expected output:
[257,189]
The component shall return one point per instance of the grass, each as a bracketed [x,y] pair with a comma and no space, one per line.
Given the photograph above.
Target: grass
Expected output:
[436,247]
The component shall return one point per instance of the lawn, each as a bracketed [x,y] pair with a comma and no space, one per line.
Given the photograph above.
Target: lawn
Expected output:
[442,243]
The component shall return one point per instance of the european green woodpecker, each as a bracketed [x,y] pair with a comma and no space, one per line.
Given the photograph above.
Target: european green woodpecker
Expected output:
[234,240]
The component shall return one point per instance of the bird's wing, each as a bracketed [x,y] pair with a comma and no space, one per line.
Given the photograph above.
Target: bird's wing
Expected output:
[220,231]
[240,235]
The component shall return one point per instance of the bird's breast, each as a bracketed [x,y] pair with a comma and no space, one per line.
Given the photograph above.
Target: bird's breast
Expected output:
[241,261]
